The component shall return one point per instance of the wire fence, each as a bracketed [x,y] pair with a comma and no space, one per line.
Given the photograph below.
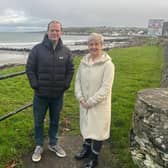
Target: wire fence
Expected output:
[19,109]
[12,75]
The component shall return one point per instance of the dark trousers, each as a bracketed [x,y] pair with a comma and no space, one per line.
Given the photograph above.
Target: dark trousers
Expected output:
[40,107]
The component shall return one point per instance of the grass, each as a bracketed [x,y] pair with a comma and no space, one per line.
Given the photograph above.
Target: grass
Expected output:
[16,132]
[136,68]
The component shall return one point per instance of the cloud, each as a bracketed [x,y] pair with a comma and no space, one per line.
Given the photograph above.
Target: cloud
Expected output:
[37,13]
[17,20]
[10,16]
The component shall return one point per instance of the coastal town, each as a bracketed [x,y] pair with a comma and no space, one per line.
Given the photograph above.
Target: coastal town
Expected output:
[155,27]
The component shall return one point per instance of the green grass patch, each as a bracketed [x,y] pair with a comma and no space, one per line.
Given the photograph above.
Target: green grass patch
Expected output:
[136,68]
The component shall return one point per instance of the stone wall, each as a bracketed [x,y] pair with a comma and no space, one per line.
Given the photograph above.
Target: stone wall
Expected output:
[164,81]
[149,135]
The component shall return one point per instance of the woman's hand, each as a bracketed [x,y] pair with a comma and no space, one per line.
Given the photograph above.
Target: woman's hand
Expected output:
[84,104]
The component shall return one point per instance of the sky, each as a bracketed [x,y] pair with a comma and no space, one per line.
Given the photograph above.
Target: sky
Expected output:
[34,15]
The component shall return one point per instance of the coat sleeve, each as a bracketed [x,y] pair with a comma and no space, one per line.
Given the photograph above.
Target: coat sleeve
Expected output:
[78,90]
[31,69]
[69,71]
[106,86]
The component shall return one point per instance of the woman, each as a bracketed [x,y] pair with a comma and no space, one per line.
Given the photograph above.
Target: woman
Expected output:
[93,89]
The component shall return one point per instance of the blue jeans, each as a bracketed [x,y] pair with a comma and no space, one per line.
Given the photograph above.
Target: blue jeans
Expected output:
[40,107]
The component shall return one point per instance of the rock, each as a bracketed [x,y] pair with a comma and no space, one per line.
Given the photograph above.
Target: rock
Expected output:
[149,136]
[164,81]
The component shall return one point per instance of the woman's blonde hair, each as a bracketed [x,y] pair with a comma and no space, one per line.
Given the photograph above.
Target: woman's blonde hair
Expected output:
[96,37]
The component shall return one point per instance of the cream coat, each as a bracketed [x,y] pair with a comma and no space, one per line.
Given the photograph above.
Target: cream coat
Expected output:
[94,84]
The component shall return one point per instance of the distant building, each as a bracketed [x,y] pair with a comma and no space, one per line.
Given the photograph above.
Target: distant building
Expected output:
[165,29]
[155,27]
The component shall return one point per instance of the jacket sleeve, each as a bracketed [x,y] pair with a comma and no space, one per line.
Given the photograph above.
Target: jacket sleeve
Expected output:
[106,86]
[31,69]
[78,90]
[69,71]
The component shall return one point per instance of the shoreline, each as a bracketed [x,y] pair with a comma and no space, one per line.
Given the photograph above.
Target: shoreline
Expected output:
[77,45]
[19,55]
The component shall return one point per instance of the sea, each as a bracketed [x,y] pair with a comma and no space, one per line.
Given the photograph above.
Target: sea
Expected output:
[26,40]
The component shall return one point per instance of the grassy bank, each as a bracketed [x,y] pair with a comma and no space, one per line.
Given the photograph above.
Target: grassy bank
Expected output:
[136,68]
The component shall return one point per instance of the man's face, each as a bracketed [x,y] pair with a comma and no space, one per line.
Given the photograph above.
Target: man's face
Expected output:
[54,32]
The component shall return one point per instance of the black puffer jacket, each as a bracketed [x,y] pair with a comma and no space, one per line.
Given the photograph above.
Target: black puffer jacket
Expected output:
[49,71]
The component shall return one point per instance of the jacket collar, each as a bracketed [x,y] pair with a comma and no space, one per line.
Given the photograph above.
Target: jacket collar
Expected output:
[105,57]
[48,43]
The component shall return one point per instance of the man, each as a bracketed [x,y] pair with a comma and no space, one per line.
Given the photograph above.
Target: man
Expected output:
[49,69]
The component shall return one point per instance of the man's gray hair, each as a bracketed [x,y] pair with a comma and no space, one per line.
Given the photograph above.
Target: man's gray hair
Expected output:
[54,21]
[96,37]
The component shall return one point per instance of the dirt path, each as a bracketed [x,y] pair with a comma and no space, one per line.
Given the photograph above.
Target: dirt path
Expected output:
[71,144]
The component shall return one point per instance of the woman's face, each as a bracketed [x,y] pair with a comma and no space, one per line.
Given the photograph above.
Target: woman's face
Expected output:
[95,47]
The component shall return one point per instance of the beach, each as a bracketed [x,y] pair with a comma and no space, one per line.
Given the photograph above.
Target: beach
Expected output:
[13,57]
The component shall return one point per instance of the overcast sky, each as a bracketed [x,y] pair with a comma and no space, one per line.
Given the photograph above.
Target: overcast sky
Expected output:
[35,14]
